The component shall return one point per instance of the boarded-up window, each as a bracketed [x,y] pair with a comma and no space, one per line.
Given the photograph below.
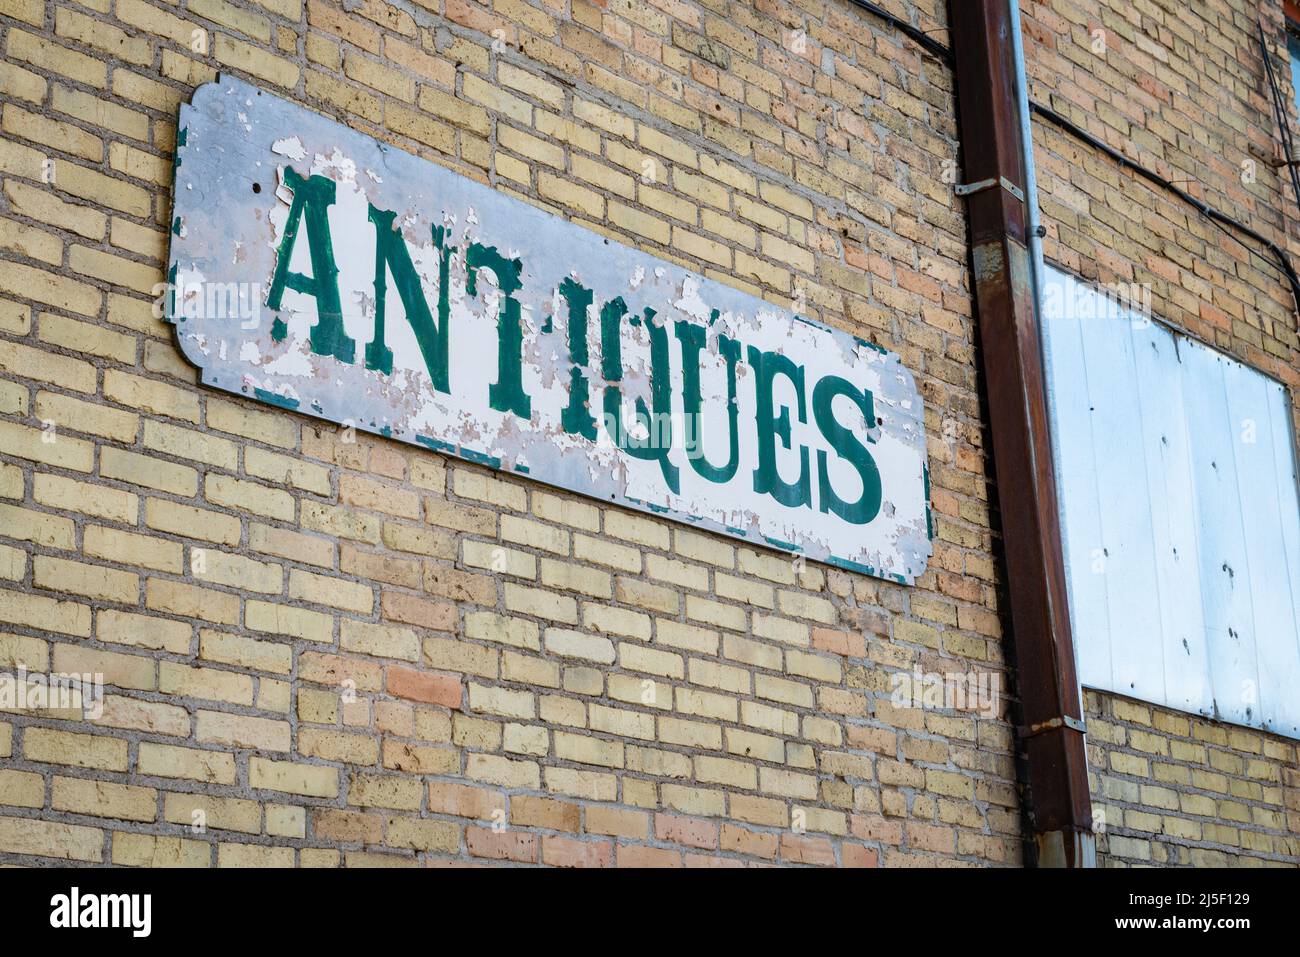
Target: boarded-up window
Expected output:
[1179,511]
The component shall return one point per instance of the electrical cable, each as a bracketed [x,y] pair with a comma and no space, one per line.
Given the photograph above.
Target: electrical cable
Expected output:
[1278,113]
[1216,216]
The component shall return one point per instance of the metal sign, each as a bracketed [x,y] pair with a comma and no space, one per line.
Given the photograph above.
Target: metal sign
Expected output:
[317,269]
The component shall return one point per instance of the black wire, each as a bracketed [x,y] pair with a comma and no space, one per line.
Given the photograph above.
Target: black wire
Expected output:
[1213,214]
[1279,113]
[902,26]
[1216,216]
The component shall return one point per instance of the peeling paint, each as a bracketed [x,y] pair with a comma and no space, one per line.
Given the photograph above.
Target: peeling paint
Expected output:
[803,473]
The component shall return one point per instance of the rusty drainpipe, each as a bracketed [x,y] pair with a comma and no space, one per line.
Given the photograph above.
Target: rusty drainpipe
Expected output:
[1052,733]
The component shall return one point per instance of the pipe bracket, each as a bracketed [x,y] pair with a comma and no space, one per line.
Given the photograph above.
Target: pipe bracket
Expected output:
[966,189]
[1061,721]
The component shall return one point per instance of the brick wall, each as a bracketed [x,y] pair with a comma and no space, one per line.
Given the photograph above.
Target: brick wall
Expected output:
[1177,789]
[1181,88]
[322,649]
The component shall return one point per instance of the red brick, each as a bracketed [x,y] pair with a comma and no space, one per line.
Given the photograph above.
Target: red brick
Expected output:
[461,800]
[638,855]
[840,642]
[800,849]
[436,615]
[424,686]
[752,843]
[691,831]
[543,812]
[502,846]
[855,855]
[567,852]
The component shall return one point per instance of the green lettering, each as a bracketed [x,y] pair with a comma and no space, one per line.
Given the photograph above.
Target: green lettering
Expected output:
[767,366]
[577,417]
[507,393]
[313,197]
[391,255]
[659,425]
[847,445]
[692,338]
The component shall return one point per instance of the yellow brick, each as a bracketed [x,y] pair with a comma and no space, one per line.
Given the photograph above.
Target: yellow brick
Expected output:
[242,651]
[80,416]
[293,778]
[387,791]
[78,750]
[284,821]
[47,614]
[279,468]
[103,190]
[453,109]
[650,661]
[29,241]
[261,426]
[501,701]
[45,366]
[208,684]
[502,771]
[128,548]
[242,731]
[736,774]
[22,789]
[292,622]
[68,494]
[42,528]
[506,561]
[13,563]
[243,56]
[787,783]
[11,481]
[149,395]
[55,58]
[334,592]
[291,545]
[338,746]
[383,641]
[236,571]
[573,577]
[125,671]
[149,850]
[142,240]
[190,601]
[191,522]
[690,733]
[226,814]
[166,761]
[489,626]
[188,444]
[16,317]
[143,631]
[93,581]
[67,842]
[101,36]
[379,77]
[100,113]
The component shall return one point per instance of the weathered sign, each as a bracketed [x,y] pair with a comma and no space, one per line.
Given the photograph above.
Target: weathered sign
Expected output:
[316,269]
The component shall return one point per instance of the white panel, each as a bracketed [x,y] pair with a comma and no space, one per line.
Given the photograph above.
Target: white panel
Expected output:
[1137,667]
[1180,463]
[1076,476]
[1281,656]
[1225,586]
[1173,519]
